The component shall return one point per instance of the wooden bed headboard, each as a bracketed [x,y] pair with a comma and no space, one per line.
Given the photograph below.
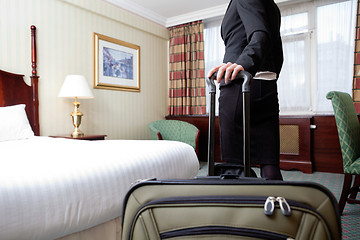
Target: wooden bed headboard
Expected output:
[13,89]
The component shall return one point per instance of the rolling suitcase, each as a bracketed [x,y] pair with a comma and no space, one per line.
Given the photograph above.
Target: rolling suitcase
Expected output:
[229,207]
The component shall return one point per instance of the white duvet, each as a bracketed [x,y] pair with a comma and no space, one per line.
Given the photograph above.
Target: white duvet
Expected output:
[51,187]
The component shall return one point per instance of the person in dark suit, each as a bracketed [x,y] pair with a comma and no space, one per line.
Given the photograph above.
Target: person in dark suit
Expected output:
[251,34]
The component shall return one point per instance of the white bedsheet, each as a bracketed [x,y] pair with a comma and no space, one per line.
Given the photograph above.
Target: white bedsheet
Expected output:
[51,187]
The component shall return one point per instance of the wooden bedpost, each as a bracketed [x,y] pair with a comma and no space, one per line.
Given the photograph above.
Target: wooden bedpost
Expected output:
[34,82]
[33,50]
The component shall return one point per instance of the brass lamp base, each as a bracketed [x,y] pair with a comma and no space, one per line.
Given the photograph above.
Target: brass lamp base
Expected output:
[76,119]
[77,133]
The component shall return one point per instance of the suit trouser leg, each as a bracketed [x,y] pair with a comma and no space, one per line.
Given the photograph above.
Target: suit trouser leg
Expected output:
[264,122]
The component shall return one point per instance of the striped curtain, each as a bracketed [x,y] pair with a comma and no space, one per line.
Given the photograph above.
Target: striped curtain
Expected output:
[187,70]
[356,79]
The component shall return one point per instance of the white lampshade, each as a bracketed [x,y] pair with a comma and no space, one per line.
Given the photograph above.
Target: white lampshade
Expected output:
[75,86]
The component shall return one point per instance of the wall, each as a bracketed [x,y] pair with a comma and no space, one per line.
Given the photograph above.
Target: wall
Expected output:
[65,46]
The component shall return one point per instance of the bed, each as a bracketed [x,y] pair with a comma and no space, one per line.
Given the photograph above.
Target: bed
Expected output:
[49,193]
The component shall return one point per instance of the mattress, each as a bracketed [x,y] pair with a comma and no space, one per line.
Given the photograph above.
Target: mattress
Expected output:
[52,187]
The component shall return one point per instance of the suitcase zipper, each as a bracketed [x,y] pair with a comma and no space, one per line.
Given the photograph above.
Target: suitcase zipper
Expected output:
[226,199]
[221,230]
[284,206]
[269,206]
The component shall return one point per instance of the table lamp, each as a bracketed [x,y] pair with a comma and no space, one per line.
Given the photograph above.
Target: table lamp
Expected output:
[76,86]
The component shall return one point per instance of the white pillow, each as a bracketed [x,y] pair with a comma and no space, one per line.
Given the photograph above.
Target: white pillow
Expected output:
[14,123]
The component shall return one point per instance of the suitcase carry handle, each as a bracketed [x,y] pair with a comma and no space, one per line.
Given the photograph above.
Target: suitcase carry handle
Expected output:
[247,77]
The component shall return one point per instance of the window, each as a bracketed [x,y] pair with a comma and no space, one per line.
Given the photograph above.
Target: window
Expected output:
[318,43]
[214,51]
[293,84]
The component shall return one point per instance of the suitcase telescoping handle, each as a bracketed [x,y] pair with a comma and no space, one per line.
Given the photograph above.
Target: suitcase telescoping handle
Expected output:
[247,77]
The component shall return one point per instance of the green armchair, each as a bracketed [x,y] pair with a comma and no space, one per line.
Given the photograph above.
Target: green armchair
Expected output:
[175,130]
[348,127]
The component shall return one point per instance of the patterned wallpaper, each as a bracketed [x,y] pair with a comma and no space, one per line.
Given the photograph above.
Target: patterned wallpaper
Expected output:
[65,46]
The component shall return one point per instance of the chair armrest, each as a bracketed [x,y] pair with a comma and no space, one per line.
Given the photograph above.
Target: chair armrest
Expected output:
[154,133]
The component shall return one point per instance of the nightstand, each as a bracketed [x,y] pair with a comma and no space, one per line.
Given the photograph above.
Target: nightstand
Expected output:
[85,137]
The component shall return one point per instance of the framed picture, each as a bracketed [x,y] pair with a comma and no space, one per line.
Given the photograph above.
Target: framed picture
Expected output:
[117,64]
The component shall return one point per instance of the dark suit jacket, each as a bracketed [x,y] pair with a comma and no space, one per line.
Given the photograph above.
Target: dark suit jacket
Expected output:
[251,33]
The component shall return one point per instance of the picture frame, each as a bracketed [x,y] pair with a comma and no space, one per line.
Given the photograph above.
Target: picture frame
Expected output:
[117,64]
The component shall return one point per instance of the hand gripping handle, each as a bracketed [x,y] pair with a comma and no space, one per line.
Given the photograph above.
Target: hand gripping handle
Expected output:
[246,76]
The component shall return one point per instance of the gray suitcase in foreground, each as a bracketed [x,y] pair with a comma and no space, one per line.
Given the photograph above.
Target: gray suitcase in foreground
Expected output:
[230,206]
